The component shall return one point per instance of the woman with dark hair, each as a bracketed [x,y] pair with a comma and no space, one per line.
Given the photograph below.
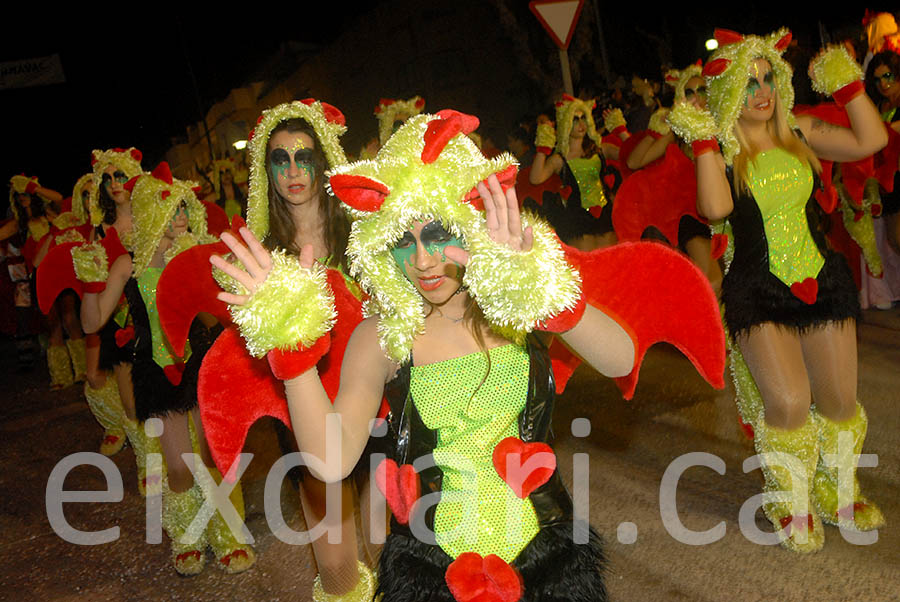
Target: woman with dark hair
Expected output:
[289,208]
[883,87]
[229,195]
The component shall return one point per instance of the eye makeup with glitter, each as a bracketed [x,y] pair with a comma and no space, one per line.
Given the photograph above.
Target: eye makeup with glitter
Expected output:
[280,161]
[434,236]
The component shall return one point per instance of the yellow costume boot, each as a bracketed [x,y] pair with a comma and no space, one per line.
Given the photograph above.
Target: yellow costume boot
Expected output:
[233,556]
[789,469]
[841,503]
[60,367]
[363,592]
[79,360]
[142,445]
[106,407]
[179,510]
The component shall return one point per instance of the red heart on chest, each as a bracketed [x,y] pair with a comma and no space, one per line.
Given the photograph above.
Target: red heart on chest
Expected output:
[533,467]
[472,578]
[807,291]
[400,487]
[123,335]
[174,372]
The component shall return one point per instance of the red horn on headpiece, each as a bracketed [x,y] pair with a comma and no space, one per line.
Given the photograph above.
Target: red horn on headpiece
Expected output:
[129,185]
[136,154]
[782,44]
[360,192]
[726,36]
[420,103]
[162,172]
[441,130]
[716,67]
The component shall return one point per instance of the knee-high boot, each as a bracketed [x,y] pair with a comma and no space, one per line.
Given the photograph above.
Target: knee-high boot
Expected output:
[142,445]
[188,547]
[60,367]
[841,503]
[79,359]
[106,407]
[789,468]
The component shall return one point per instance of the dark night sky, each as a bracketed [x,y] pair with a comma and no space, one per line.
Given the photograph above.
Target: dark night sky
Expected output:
[128,80]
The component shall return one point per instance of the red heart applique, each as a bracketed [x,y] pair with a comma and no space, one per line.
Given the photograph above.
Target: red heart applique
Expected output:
[609,180]
[472,578]
[123,335]
[400,487]
[827,199]
[533,468]
[718,245]
[174,372]
[806,291]
[876,209]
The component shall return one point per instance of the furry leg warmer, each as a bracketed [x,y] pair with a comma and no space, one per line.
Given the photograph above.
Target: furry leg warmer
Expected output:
[188,546]
[362,592]
[79,360]
[841,503]
[106,407]
[789,464]
[60,367]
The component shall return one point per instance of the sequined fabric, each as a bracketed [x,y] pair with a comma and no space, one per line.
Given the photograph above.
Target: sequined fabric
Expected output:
[162,353]
[478,511]
[781,185]
[587,174]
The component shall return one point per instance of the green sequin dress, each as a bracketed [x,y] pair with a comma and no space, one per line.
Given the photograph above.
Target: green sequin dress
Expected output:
[777,244]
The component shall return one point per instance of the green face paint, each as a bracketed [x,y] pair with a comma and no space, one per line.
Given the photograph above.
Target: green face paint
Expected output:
[435,238]
[280,162]
[754,86]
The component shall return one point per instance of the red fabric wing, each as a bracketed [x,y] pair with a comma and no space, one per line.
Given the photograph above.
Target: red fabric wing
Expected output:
[55,274]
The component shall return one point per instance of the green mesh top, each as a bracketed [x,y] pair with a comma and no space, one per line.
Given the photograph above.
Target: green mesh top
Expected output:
[162,352]
[781,185]
[478,511]
[587,174]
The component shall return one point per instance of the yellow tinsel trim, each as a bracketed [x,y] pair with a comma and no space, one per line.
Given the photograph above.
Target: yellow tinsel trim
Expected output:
[690,123]
[565,115]
[71,235]
[294,306]
[834,69]
[90,263]
[545,136]
[728,90]
[77,203]
[17,184]
[613,119]
[102,159]
[387,114]
[151,215]
[658,122]
[327,133]
[66,220]
[681,79]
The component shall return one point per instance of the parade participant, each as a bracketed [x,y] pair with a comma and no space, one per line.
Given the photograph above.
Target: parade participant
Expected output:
[584,219]
[167,219]
[289,207]
[450,266]
[230,197]
[790,302]
[662,193]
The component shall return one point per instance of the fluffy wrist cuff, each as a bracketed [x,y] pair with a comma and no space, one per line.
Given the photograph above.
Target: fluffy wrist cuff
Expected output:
[832,70]
[293,307]
[847,93]
[565,320]
[698,147]
[518,290]
[545,138]
[658,122]
[691,124]
[613,120]
[91,265]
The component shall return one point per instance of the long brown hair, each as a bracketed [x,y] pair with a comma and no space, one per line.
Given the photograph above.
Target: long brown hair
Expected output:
[282,230]
[783,136]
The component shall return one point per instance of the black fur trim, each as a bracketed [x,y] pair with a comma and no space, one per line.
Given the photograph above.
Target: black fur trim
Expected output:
[553,567]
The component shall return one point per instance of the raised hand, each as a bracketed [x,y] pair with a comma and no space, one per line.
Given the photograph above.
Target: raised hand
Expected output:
[257,262]
[501,214]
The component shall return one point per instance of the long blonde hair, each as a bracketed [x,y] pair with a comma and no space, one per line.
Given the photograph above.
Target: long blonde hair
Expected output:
[783,137]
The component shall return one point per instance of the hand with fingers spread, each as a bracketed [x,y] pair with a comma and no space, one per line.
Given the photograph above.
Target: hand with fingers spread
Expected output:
[288,302]
[502,218]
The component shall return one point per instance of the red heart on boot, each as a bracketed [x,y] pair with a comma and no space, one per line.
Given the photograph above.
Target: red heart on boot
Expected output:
[533,468]
[174,372]
[400,487]
[472,578]
[719,245]
[806,291]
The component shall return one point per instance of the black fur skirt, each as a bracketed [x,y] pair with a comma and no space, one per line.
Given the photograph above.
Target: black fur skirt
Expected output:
[553,568]
[756,296]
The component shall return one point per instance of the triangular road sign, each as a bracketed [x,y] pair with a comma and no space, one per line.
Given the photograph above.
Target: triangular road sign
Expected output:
[558,17]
